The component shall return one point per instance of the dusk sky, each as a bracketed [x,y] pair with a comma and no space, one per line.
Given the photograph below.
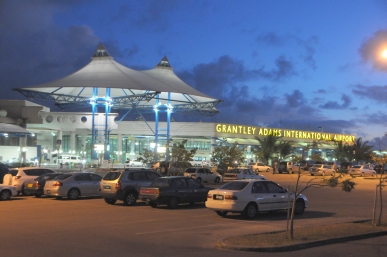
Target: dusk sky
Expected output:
[279,63]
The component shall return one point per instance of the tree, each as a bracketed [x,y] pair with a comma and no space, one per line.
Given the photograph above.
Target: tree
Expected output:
[180,157]
[359,151]
[147,156]
[380,160]
[226,155]
[316,158]
[271,146]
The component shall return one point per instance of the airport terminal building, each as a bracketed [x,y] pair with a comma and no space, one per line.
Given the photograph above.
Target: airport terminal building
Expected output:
[30,131]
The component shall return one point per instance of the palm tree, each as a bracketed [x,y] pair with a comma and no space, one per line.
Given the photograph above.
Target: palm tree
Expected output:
[271,146]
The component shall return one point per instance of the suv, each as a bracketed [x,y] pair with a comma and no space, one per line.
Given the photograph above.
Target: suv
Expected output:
[125,185]
[202,174]
[259,167]
[20,175]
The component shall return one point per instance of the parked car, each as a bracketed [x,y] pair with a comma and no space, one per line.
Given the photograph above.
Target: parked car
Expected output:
[174,190]
[6,191]
[4,169]
[362,170]
[380,169]
[203,175]
[321,170]
[249,197]
[124,185]
[259,167]
[36,186]
[241,173]
[73,185]
[17,176]
[135,164]
[287,167]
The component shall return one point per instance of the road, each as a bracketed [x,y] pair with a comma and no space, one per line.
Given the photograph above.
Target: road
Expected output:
[90,227]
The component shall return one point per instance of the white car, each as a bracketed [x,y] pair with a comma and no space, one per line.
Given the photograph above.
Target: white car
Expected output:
[7,191]
[321,170]
[362,170]
[17,176]
[241,173]
[249,197]
[259,167]
[203,175]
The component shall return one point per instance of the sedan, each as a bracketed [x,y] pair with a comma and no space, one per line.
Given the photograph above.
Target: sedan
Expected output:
[321,170]
[249,197]
[73,185]
[362,170]
[36,186]
[241,173]
[259,167]
[6,191]
[174,190]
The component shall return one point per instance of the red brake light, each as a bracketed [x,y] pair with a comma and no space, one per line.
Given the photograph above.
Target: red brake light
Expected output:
[57,183]
[36,184]
[209,196]
[118,185]
[152,191]
[231,197]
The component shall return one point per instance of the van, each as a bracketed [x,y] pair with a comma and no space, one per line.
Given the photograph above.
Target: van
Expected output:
[67,159]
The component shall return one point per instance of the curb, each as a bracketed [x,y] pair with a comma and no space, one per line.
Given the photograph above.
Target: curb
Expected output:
[300,246]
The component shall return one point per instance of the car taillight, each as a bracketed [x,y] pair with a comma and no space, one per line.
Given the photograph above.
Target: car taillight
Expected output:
[231,197]
[209,196]
[57,183]
[36,184]
[149,191]
[118,185]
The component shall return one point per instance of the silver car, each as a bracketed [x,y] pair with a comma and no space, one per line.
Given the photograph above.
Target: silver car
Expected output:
[73,185]
[322,170]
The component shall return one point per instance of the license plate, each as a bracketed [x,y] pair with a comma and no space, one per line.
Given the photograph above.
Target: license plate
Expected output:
[105,187]
[218,197]
[29,185]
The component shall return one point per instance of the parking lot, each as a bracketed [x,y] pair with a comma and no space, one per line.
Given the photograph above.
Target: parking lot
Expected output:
[90,227]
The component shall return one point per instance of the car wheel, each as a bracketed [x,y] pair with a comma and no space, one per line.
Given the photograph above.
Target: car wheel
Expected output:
[130,199]
[5,195]
[217,180]
[250,211]
[23,192]
[221,213]
[73,194]
[300,207]
[373,174]
[173,202]
[153,204]
[362,174]
[199,179]
[110,201]
[256,170]
[267,170]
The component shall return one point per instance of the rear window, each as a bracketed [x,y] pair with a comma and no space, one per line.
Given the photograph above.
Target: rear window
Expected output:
[63,176]
[161,182]
[112,175]
[236,185]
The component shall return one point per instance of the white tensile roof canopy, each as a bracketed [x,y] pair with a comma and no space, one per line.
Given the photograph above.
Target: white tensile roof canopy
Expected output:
[127,88]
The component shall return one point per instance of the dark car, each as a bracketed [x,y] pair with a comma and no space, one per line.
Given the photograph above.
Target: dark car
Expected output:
[4,169]
[36,186]
[174,190]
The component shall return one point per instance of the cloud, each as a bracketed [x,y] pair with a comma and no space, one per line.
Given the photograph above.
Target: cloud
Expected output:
[296,99]
[335,105]
[376,93]
[308,45]
[371,50]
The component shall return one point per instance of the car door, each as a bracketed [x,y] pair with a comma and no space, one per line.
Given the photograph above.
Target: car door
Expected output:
[202,174]
[197,193]
[278,196]
[94,184]
[83,182]
[138,179]
[180,189]
[262,196]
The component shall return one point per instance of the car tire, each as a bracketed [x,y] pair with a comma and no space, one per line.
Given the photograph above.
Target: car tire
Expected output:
[362,174]
[199,179]
[23,192]
[250,211]
[73,194]
[173,202]
[5,195]
[268,170]
[152,204]
[221,213]
[217,180]
[130,199]
[256,170]
[110,200]
[300,207]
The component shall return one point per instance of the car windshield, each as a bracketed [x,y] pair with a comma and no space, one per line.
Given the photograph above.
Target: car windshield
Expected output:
[161,182]
[356,166]
[234,171]
[113,175]
[235,185]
